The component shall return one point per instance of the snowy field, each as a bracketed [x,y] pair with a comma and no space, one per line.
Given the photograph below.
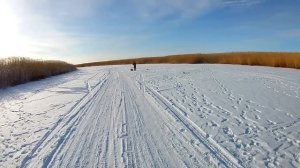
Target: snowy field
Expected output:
[158,116]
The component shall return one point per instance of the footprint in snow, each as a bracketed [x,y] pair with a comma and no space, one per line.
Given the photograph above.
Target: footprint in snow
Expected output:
[182,130]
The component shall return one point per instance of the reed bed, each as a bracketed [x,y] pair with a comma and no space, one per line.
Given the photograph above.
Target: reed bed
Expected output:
[18,70]
[273,59]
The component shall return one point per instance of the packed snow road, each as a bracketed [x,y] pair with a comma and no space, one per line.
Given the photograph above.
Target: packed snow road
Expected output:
[158,116]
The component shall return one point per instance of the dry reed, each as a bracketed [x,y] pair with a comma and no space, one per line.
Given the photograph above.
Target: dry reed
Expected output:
[18,70]
[274,59]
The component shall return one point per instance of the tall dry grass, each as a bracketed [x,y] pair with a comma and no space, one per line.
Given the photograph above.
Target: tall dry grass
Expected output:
[274,59]
[18,70]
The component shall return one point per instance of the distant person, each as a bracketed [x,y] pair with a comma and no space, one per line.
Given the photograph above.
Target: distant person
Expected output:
[134,66]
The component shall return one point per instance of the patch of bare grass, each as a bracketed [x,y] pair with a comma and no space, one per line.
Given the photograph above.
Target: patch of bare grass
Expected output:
[18,70]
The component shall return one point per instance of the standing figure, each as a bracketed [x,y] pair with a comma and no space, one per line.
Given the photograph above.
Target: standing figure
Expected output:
[134,66]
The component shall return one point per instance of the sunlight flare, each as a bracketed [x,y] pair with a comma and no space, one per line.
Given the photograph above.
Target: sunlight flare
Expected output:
[11,42]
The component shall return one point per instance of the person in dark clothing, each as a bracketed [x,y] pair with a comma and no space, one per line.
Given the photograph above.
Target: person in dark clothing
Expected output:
[134,66]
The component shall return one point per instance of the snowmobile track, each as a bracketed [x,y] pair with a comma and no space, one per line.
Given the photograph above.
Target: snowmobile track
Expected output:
[222,154]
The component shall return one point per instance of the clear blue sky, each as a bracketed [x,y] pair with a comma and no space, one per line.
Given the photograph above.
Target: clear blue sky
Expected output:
[93,30]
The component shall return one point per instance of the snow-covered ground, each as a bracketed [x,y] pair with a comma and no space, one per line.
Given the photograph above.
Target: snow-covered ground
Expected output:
[158,116]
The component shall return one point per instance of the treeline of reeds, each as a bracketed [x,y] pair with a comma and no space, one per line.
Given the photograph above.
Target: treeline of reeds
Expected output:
[18,70]
[273,59]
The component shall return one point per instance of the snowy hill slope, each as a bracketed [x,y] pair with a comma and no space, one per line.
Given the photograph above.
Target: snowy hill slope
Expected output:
[158,116]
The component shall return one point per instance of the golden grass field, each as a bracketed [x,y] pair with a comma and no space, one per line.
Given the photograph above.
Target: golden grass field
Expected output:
[18,70]
[273,59]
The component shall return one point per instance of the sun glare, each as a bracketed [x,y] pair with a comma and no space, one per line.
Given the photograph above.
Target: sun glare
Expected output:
[11,41]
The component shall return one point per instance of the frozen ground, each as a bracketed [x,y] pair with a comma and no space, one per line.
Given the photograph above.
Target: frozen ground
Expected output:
[158,116]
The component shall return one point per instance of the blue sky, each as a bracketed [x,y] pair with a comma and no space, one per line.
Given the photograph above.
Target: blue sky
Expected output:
[94,30]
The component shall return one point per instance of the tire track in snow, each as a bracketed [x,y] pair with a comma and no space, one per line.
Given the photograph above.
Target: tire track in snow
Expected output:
[95,142]
[153,146]
[222,154]
[87,138]
[61,123]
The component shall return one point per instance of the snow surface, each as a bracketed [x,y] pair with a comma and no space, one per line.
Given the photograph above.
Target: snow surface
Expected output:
[159,116]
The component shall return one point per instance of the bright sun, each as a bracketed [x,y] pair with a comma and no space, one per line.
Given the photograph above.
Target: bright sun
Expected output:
[11,41]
